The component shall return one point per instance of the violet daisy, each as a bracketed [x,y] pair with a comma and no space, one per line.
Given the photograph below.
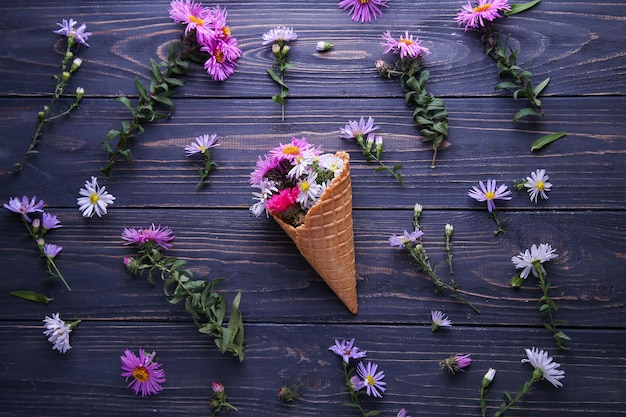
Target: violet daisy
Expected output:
[79,35]
[439,319]
[538,185]
[474,17]
[279,35]
[146,374]
[50,221]
[456,363]
[58,332]
[347,350]
[544,366]
[94,200]
[356,130]
[51,250]
[407,45]
[490,193]
[372,379]
[363,10]
[407,238]
[24,206]
[531,260]
[201,144]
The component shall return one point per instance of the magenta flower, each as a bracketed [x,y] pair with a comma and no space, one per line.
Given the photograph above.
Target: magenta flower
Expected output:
[293,150]
[474,17]
[407,45]
[371,379]
[263,166]
[279,203]
[24,206]
[347,350]
[79,35]
[160,237]
[223,55]
[490,193]
[407,238]
[363,10]
[146,374]
[190,13]
[456,363]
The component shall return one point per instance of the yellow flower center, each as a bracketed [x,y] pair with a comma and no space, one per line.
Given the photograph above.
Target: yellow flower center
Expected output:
[94,198]
[370,380]
[196,20]
[202,148]
[141,374]
[364,1]
[226,30]
[490,195]
[219,55]
[291,150]
[483,8]
[407,42]
[305,186]
[540,185]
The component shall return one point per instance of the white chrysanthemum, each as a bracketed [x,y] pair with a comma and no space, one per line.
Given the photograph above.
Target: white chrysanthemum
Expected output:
[330,162]
[310,191]
[540,360]
[279,34]
[537,255]
[58,333]
[267,189]
[94,199]
[538,185]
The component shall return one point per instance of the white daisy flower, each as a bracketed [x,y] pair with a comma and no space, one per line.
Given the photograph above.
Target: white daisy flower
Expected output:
[540,360]
[94,199]
[310,191]
[58,333]
[531,259]
[538,185]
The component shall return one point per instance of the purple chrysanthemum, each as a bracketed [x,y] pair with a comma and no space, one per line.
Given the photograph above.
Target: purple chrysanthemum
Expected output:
[474,17]
[456,363]
[363,10]
[146,374]
[223,56]
[372,380]
[24,206]
[407,45]
[347,350]
[79,35]
[490,193]
[407,238]
[160,237]
[201,144]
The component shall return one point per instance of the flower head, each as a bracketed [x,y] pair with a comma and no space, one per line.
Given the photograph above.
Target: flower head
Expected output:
[58,333]
[407,238]
[24,206]
[190,13]
[371,379]
[439,319]
[146,374]
[538,185]
[94,200]
[79,35]
[50,221]
[544,366]
[358,130]
[280,35]
[489,376]
[475,13]
[156,235]
[402,413]
[530,260]
[456,363]
[201,144]
[347,350]
[363,10]
[490,193]
[407,45]
[223,55]
[281,202]
[51,250]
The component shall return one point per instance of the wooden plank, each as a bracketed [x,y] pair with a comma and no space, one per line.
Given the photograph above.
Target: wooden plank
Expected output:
[86,380]
[575,43]
[277,284]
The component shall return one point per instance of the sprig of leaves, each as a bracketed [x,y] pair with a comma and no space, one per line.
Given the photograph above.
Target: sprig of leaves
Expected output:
[206,306]
[377,146]
[280,51]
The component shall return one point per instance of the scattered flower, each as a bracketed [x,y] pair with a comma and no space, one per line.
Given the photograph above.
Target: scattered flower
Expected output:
[490,193]
[347,350]
[489,376]
[147,375]
[288,393]
[439,319]
[154,236]
[407,239]
[455,363]
[49,221]
[402,413]
[475,13]
[538,185]
[279,37]
[323,46]
[363,10]
[78,35]
[25,206]
[51,250]
[219,399]
[58,332]
[202,144]
[94,200]
[406,46]
[532,260]
[372,379]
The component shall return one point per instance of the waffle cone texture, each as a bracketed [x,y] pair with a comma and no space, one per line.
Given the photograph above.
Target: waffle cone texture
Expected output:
[326,238]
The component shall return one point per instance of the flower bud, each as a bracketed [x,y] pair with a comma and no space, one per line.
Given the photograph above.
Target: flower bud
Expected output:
[417,210]
[36,223]
[384,68]
[323,46]
[369,143]
[285,49]
[69,55]
[448,229]
[379,146]
[76,64]
[41,115]
[217,387]
[65,76]
[41,243]
[491,373]
[80,92]
[276,49]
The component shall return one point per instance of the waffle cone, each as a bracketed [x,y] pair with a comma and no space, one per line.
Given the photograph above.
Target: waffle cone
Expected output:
[326,238]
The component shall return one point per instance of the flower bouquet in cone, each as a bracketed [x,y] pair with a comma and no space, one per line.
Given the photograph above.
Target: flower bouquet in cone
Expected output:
[309,194]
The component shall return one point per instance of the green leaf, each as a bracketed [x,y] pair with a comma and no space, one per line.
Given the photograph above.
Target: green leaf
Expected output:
[126,102]
[141,90]
[164,100]
[156,72]
[518,8]
[517,281]
[31,296]
[539,88]
[279,99]
[544,140]
[526,111]
[276,78]
[506,85]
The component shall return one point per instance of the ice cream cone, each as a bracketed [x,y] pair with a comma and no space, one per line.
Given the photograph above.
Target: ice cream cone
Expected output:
[326,238]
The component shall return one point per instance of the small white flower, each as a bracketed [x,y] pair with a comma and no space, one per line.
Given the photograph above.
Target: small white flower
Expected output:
[540,360]
[330,162]
[58,333]
[439,319]
[94,199]
[489,376]
[537,255]
[323,46]
[538,185]
[279,34]
[310,191]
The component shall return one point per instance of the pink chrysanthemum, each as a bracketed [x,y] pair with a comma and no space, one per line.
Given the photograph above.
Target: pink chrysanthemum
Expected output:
[146,374]
[292,150]
[490,193]
[279,203]
[363,10]
[190,13]
[407,45]
[263,166]
[24,206]
[474,17]
[223,55]
[161,237]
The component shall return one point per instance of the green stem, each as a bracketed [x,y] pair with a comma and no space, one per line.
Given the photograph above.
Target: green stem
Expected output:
[498,223]
[523,390]
[354,398]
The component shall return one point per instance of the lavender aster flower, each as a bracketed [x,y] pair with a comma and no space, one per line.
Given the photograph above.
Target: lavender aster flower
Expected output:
[400,242]
[79,35]
[439,319]
[50,221]
[201,144]
[51,250]
[363,10]
[407,45]
[530,260]
[24,206]
[347,350]
[544,365]
[280,35]
[372,380]
[490,193]
[58,333]
[146,374]
[358,130]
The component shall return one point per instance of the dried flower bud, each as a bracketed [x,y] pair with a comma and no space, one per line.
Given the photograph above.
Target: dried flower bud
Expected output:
[384,68]
[491,373]
[323,46]
[80,92]
[76,64]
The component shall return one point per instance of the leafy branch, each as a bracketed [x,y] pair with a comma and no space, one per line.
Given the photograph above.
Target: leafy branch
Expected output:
[280,51]
[377,145]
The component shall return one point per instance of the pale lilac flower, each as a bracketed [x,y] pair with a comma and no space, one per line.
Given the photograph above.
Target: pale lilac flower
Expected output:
[201,144]
[407,45]
[356,383]
[50,221]
[402,413]
[24,206]
[160,237]
[363,10]
[476,13]
[146,374]
[356,130]
[407,238]
[372,379]
[538,185]
[347,350]
[190,13]
[51,250]
[58,333]
[530,260]
[279,35]
[94,200]
[540,360]
[490,193]
[439,319]
[79,35]
[456,363]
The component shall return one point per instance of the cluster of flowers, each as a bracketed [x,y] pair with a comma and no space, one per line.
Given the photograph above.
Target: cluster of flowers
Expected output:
[291,178]
[211,33]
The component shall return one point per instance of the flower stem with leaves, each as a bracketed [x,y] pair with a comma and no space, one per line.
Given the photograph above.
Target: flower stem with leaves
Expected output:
[377,146]
[524,389]
[354,395]
[37,233]
[280,50]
